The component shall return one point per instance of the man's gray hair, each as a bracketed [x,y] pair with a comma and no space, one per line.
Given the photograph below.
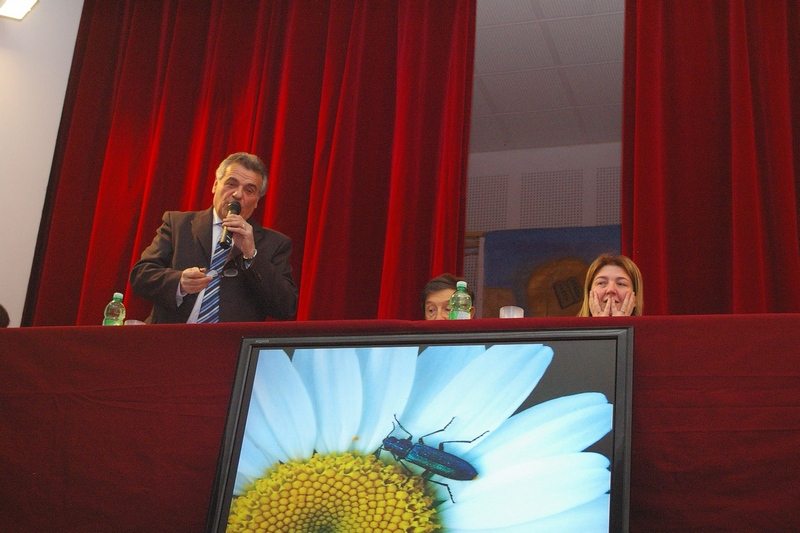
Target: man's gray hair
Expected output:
[250,162]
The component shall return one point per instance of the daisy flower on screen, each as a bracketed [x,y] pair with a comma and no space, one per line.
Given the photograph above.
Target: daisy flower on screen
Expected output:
[315,459]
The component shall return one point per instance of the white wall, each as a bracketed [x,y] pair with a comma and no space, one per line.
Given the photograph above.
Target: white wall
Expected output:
[35,59]
[559,187]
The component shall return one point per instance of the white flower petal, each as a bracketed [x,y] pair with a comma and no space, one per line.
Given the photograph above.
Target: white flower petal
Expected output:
[333,380]
[481,396]
[248,470]
[387,375]
[280,420]
[582,420]
[590,517]
[436,367]
[286,408]
[259,444]
[528,491]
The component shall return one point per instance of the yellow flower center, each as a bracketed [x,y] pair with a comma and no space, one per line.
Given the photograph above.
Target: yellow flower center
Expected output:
[334,494]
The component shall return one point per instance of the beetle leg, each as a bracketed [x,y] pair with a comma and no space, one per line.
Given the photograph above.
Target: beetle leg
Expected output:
[427,476]
[441,444]
[437,431]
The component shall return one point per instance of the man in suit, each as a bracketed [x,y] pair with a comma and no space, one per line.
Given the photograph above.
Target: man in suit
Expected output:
[256,279]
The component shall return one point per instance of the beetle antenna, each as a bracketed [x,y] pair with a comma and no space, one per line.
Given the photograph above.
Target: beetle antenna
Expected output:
[401,426]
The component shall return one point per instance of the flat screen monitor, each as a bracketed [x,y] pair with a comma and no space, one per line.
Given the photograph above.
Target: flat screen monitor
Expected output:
[433,431]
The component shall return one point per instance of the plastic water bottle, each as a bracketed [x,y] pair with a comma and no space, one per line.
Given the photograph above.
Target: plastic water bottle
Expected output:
[460,302]
[115,311]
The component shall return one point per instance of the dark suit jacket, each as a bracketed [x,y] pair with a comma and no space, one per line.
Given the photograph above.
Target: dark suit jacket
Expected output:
[184,241]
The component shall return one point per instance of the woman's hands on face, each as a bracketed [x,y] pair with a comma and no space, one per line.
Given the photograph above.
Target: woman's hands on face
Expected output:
[597,308]
[626,307]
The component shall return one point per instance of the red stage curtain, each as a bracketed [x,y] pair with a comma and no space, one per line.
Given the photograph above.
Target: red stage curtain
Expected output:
[711,154]
[359,108]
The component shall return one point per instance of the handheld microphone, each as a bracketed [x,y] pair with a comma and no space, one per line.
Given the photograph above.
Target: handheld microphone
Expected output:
[226,239]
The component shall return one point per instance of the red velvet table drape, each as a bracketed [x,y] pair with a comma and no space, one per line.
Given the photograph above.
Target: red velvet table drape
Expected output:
[359,108]
[118,429]
[711,154]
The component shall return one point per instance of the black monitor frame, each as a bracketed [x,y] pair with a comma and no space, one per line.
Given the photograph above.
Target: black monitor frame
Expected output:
[585,359]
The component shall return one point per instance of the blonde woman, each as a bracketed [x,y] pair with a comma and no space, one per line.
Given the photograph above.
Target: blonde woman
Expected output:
[613,287]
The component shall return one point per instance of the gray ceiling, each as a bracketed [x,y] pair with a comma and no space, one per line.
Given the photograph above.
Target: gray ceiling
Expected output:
[547,73]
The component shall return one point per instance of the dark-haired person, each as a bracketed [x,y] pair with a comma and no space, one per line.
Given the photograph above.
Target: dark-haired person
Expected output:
[255,277]
[436,295]
[613,287]
[5,320]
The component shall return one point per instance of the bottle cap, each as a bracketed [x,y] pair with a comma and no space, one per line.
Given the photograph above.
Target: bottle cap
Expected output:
[117,296]
[461,284]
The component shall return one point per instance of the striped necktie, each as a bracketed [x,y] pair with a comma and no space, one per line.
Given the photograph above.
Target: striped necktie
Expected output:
[209,309]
